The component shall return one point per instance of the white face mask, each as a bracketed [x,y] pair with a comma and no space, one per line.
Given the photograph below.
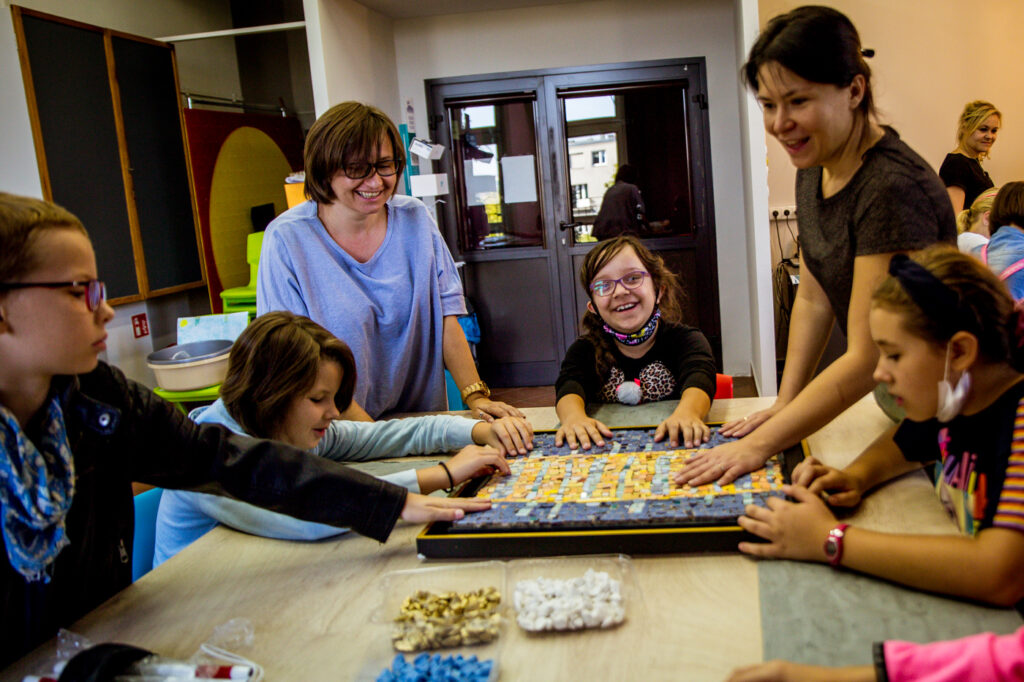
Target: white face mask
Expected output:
[951,400]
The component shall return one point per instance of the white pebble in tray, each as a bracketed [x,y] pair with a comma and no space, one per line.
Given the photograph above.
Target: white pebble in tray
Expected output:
[592,601]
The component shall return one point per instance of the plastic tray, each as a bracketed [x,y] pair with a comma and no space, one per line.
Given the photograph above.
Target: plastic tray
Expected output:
[618,567]
[396,586]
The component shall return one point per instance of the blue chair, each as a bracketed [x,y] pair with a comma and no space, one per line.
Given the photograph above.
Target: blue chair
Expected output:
[146,505]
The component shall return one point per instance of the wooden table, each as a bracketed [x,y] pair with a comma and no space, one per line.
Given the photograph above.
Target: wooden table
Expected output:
[311,603]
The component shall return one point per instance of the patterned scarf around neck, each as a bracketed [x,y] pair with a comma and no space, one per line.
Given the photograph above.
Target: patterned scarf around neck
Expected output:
[36,488]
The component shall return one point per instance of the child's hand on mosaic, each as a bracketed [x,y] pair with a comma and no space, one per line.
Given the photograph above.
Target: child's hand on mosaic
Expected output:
[476,460]
[581,432]
[835,486]
[426,508]
[508,435]
[738,428]
[794,530]
[722,464]
[688,429]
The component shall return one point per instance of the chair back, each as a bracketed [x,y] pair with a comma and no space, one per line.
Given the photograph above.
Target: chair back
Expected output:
[146,506]
[723,386]
[253,245]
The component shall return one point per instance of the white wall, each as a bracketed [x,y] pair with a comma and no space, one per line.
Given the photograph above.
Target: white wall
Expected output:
[931,57]
[601,32]
[351,55]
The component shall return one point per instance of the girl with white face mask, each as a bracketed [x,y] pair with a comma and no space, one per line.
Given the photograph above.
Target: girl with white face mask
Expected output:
[951,345]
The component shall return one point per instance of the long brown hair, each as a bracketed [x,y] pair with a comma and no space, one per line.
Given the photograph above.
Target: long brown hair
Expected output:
[276,358]
[666,285]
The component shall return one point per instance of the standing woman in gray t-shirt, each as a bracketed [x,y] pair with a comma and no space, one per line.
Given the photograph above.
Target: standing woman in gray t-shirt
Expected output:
[861,194]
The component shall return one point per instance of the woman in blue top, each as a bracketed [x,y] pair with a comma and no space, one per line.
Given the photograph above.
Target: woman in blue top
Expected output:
[289,379]
[372,268]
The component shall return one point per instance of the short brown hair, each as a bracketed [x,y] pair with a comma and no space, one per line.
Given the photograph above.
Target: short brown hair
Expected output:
[666,284]
[983,300]
[21,220]
[276,358]
[1008,208]
[347,133]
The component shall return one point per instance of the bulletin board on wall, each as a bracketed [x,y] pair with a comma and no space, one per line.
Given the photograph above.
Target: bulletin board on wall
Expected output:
[238,161]
[109,140]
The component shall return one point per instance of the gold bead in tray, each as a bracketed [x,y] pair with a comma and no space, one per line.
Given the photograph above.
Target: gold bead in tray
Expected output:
[429,620]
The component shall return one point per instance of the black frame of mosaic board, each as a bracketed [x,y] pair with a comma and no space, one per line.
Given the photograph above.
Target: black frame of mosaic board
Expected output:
[437,542]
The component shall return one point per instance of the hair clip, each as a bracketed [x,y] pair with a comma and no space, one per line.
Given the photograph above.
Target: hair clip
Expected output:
[867,53]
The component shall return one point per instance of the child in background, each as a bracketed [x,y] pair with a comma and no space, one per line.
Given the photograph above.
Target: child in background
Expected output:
[1004,252]
[75,433]
[634,348]
[951,351]
[979,658]
[973,225]
[290,379]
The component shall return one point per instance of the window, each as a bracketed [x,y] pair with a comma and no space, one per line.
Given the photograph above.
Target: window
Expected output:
[597,158]
[579,193]
[576,160]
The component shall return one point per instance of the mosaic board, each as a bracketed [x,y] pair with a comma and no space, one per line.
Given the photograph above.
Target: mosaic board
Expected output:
[615,498]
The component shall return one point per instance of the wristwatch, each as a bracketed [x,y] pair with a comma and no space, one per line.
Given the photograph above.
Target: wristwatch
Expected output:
[477,387]
[834,544]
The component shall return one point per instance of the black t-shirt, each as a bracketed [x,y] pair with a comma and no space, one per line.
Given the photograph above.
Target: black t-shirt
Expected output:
[974,456]
[680,358]
[894,202]
[966,173]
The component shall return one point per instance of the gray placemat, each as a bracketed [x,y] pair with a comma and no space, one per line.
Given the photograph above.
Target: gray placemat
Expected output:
[813,614]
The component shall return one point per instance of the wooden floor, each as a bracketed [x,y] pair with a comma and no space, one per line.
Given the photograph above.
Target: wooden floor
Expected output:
[544,396]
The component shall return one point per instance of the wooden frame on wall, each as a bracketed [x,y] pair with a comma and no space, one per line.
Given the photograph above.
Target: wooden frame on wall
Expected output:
[89,156]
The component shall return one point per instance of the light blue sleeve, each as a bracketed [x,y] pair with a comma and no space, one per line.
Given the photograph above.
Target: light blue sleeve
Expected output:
[350,441]
[449,284]
[256,521]
[277,287]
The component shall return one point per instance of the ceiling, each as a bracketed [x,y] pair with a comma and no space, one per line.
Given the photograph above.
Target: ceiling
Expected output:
[409,9]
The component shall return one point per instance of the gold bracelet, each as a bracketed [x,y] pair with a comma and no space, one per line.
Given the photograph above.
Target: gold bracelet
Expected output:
[478,387]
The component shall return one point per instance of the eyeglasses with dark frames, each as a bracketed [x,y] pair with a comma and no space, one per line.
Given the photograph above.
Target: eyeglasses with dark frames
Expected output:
[631,280]
[95,290]
[358,171]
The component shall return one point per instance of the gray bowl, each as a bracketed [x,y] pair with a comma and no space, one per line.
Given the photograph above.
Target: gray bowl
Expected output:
[190,352]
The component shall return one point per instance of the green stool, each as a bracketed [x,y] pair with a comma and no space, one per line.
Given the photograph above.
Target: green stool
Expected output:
[179,398]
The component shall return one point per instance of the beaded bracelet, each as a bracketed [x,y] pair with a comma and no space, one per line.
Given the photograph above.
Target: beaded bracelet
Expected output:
[451,481]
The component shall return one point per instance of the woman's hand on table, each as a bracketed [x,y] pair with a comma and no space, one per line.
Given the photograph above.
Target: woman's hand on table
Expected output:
[476,460]
[723,464]
[426,508]
[784,671]
[683,428]
[508,435]
[839,488]
[489,410]
[582,432]
[738,428]
[794,530]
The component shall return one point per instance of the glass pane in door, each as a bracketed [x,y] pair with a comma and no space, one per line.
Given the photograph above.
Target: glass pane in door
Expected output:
[494,154]
[638,134]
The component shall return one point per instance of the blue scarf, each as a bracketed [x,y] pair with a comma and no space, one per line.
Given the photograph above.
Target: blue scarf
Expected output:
[36,488]
[640,335]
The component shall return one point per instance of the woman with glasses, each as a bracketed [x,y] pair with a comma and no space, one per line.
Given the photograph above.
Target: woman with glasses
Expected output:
[371,267]
[634,348]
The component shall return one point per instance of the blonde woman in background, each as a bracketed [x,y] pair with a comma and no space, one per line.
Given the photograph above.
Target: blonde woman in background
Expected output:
[961,170]
[973,226]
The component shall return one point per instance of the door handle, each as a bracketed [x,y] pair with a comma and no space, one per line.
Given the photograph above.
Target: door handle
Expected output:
[568,226]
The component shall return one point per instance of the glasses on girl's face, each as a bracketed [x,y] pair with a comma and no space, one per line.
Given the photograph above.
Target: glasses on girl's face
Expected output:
[606,287]
[358,171]
[95,290]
